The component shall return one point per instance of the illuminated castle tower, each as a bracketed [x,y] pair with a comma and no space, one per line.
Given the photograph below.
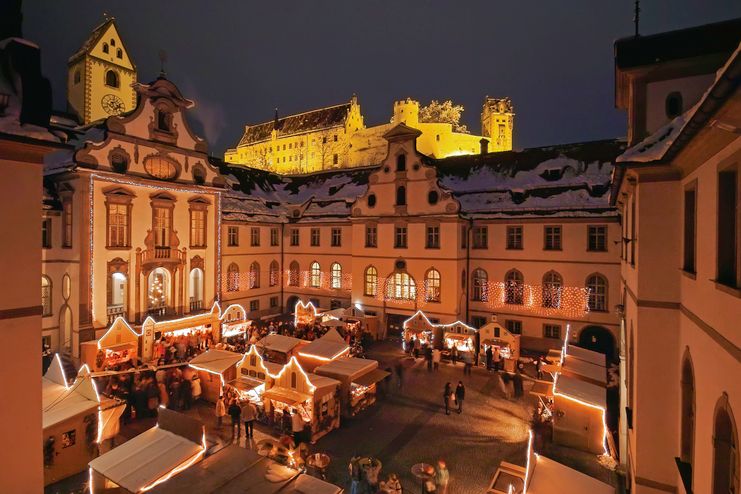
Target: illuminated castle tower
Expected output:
[497,123]
[407,112]
[100,76]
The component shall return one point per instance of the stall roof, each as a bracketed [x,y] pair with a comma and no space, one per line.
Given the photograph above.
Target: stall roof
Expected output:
[145,459]
[549,473]
[320,382]
[349,367]
[279,343]
[80,398]
[581,390]
[324,349]
[333,335]
[587,355]
[583,368]
[217,361]
[372,377]
[306,484]
[288,396]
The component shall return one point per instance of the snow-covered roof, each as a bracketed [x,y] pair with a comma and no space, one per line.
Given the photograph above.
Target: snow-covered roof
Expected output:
[322,381]
[578,367]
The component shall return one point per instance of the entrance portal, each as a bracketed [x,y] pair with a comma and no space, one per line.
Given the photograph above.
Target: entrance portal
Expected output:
[395,324]
[598,339]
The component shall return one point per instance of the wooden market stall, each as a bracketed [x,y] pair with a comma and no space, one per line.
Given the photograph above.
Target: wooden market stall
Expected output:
[313,397]
[356,321]
[70,422]
[151,458]
[462,337]
[418,327]
[279,348]
[329,347]
[206,324]
[119,345]
[579,414]
[578,362]
[215,368]
[304,314]
[252,374]
[497,336]
[358,378]
[233,322]
[581,369]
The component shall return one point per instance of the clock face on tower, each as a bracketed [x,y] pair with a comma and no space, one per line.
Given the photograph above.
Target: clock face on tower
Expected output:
[112,104]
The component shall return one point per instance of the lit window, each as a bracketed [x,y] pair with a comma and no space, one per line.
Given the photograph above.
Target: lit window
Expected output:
[336,276]
[198,228]
[597,287]
[480,285]
[293,274]
[232,278]
[401,286]
[254,275]
[514,287]
[274,273]
[316,275]
[45,296]
[160,167]
[162,225]
[233,236]
[371,282]
[432,285]
[552,283]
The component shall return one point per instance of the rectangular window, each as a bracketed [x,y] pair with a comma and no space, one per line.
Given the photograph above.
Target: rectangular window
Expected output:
[336,237]
[67,224]
[335,159]
[690,228]
[162,224]
[274,236]
[552,238]
[464,236]
[728,211]
[254,305]
[552,331]
[478,321]
[198,228]
[480,237]
[273,302]
[597,238]
[233,236]
[118,225]
[514,327]
[371,236]
[400,237]
[294,237]
[433,237]
[315,237]
[46,233]
[514,237]
[255,236]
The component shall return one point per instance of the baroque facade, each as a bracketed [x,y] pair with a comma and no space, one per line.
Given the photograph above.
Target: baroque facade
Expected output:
[336,137]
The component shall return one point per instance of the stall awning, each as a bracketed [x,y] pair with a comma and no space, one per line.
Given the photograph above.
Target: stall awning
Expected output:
[245,383]
[372,377]
[495,342]
[542,388]
[549,473]
[120,346]
[290,397]
[458,336]
[218,361]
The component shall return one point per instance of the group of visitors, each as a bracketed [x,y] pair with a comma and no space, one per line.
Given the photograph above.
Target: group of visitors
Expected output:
[239,411]
[183,347]
[456,397]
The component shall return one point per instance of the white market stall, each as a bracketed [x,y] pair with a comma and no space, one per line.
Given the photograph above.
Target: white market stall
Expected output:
[329,347]
[215,368]
[579,414]
[498,337]
[279,348]
[358,379]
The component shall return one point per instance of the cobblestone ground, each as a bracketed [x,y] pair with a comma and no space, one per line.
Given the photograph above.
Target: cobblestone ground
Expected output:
[409,426]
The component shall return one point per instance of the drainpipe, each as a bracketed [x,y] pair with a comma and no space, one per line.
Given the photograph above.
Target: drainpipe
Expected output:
[623,421]
[468,266]
[282,265]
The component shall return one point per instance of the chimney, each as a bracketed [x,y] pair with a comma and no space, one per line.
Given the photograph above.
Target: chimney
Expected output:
[484,145]
[275,120]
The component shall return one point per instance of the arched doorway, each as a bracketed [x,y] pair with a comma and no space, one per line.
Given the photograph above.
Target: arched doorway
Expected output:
[65,329]
[725,449]
[158,291]
[195,289]
[598,339]
[291,303]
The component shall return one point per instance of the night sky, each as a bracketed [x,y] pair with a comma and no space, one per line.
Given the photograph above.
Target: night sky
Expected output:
[240,59]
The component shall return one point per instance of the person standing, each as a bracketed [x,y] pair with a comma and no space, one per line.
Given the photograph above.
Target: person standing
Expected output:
[454,355]
[447,396]
[235,413]
[442,477]
[517,384]
[297,427]
[355,474]
[460,395]
[467,363]
[220,411]
[436,356]
[428,358]
[539,367]
[249,414]
[497,359]
[489,356]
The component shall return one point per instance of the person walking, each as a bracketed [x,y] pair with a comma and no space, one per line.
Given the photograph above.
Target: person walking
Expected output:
[436,357]
[467,363]
[297,427]
[220,411]
[355,474]
[447,396]
[442,477]
[235,413]
[249,414]
[428,358]
[489,356]
[460,395]
[399,368]
[497,357]
[539,367]
[517,384]
[453,355]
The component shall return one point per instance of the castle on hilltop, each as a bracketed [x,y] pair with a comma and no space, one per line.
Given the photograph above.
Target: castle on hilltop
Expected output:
[336,137]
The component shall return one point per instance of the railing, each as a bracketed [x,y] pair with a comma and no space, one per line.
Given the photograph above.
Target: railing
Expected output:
[195,304]
[162,254]
[159,311]
[114,311]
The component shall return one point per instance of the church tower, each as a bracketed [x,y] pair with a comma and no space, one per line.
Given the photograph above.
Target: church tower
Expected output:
[100,76]
[497,123]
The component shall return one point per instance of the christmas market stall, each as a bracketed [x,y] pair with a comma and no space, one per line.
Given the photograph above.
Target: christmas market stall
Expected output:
[578,362]
[252,372]
[204,327]
[579,414]
[215,368]
[461,336]
[304,314]
[151,458]
[315,398]
[233,322]
[279,348]
[358,379]
[70,421]
[417,327]
[329,347]
[494,335]
[356,321]
[119,346]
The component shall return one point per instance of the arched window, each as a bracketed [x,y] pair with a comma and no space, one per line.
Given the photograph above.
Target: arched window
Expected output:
[401,196]
[232,278]
[105,47]
[552,283]
[401,163]
[597,287]
[111,78]
[119,53]
[293,274]
[401,286]
[371,281]
[274,269]
[336,276]
[687,439]
[294,380]
[196,289]
[158,293]
[479,284]
[725,450]
[254,275]
[432,285]
[316,275]
[45,296]
[514,287]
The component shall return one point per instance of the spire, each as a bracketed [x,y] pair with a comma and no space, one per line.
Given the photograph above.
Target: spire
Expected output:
[275,120]
[636,15]
[163,58]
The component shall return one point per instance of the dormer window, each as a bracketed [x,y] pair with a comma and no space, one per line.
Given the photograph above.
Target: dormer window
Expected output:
[163,121]
[113,42]
[401,163]
[105,47]
[111,79]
